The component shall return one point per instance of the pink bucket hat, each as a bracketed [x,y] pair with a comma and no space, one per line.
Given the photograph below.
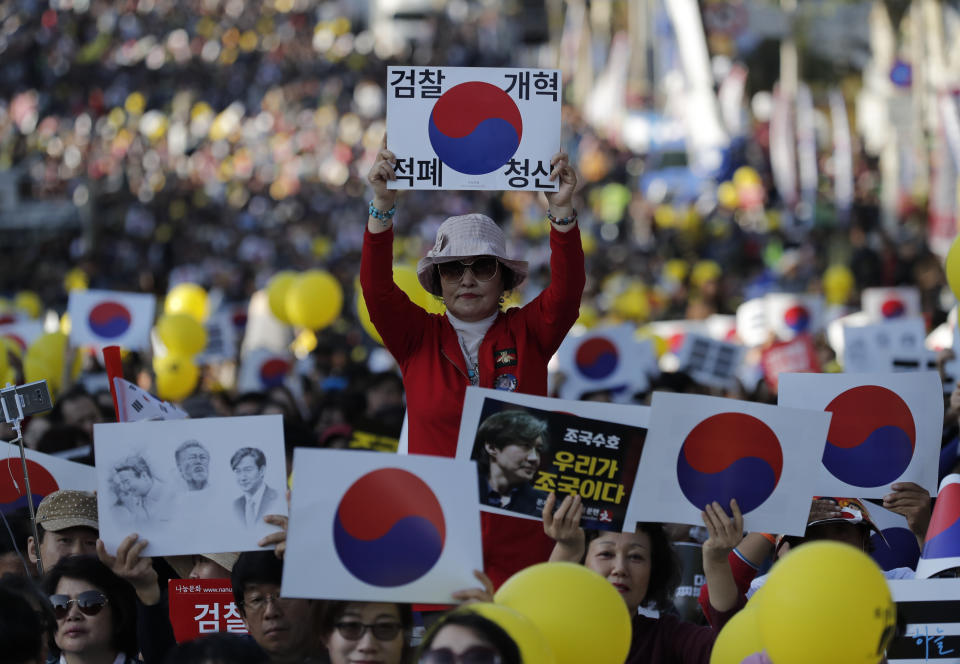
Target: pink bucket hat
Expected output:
[467,236]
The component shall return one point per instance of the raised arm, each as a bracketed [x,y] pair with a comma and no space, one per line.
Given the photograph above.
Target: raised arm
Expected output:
[563,527]
[725,533]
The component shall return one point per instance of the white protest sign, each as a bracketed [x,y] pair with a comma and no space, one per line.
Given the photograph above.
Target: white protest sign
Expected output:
[47,474]
[885,429]
[103,318]
[262,369]
[752,325]
[789,315]
[22,332]
[527,447]
[473,127]
[871,348]
[382,527]
[710,362]
[927,610]
[891,303]
[190,486]
[609,358]
[700,449]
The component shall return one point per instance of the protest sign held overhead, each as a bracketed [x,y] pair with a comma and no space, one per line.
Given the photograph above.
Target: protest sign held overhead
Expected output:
[874,348]
[789,315]
[885,429]
[384,528]
[795,356]
[101,318]
[47,474]
[710,362]
[528,447]
[702,449]
[262,369]
[473,127]
[190,485]
[891,303]
[610,359]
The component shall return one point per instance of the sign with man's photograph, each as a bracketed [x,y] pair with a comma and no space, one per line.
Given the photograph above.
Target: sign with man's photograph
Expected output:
[190,486]
[528,447]
[473,127]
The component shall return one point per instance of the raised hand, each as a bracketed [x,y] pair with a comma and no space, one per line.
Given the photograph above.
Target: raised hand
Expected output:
[561,200]
[130,566]
[380,174]
[564,527]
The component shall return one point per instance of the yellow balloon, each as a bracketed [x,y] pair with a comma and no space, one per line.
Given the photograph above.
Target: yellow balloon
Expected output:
[187,298]
[181,334]
[580,613]
[277,290]
[952,267]
[75,279]
[4,364]
[177,377]
[826,602]
[29,303]
[39,368]
[727,195]
[51,346]
[838,283]
[314,300]
[745,176]
[530,640]
[738,639]
[633,303]
[705,271]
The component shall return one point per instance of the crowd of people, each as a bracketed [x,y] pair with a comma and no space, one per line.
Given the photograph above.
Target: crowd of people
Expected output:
[220,142]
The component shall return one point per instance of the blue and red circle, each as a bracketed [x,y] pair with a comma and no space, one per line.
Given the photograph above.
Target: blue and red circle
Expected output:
[12,497]
[872,436]
[730,455]
[597,358]
[389,528]
[109,319]
[475,128]
[273,372]
[892,308]
[797,318]
[943,533]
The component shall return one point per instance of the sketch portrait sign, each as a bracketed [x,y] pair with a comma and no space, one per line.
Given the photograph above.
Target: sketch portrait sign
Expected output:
[190,486]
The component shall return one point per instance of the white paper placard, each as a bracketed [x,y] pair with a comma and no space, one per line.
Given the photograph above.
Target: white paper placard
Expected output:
[104,318]
[891,303]
[382,527]
[473,127]
[710,362]
[700,449]
[752,325]
[47,474]
[212,501]
[22,332]
[609,358]
[790,314]
[871,348]
[927,610]
[886,429]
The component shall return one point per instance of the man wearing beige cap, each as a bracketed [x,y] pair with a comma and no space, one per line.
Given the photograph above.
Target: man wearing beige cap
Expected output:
[67,525]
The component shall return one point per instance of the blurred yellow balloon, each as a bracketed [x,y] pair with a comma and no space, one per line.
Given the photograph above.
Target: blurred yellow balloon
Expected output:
[660,345]
[588,316]
[75,279]
[813,590]
[405,277]
[746,176]
[838,283]
[738,639]
[676,270]
[45,358]
[633,303]
[29,303]
[952,267]
[177,377]
[277,289]
[187,298]
[314,300]
[181,334]
[4,365]
[703,272]
[65,324]
[530,640]
[727,195]
[581,615]
[12,347]
[665,216]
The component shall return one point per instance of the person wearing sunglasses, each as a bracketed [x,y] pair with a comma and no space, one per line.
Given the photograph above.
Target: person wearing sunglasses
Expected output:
[462,637]
[367,632]
[95,612]
[474,342]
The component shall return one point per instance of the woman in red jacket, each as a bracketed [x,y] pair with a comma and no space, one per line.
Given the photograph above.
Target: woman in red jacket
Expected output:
[474,342]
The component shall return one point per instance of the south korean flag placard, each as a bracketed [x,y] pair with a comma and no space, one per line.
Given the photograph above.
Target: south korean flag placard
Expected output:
[102,318]
[609,358]
[473,127]
[891,303]
[885,429]
[382,527]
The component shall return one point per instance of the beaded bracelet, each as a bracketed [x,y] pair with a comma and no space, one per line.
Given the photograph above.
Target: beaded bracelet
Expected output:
[376,213]
[565,221]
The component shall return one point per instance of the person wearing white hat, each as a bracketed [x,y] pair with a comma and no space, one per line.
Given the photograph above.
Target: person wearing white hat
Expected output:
[474,342]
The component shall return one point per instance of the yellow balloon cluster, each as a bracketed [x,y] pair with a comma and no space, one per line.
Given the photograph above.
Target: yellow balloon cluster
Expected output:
[181,334]
[177,376]
[533,645]
[310,300]
[405,277]
[810,592]
[45,359]
[187,298]
[579,613]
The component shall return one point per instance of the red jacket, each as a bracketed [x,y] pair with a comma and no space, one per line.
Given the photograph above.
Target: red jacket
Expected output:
[517,348]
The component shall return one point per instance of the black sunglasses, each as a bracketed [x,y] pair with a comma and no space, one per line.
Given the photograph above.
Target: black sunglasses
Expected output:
[484,268]
[472,655]
[90,603]
[353,630]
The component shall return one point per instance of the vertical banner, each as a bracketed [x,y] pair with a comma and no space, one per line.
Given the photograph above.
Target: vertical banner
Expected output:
[783,158]
[806,156]
[473,127]
[842,155]
[528,447]
[203,606]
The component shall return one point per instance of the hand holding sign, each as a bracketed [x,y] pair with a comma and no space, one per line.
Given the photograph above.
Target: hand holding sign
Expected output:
[560,199]
[563,527]
[131,567]
[380,174]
